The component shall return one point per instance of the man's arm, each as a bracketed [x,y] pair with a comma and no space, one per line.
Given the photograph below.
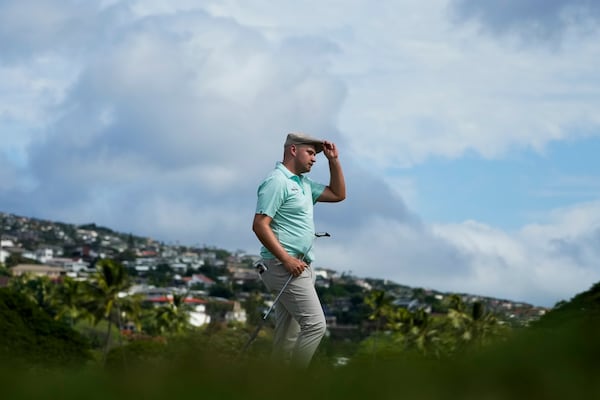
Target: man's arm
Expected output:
[262,228]
[336,190]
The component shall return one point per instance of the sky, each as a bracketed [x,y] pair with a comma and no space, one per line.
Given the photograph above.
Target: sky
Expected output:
[468,130]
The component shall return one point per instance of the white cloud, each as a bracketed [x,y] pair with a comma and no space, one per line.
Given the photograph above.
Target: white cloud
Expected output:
[542,262]
[161,117]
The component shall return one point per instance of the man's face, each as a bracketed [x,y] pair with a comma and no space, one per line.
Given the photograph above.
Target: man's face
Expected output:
[306,156]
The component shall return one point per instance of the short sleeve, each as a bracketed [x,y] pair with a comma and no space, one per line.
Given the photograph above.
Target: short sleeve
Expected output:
[271,194]
[316,189]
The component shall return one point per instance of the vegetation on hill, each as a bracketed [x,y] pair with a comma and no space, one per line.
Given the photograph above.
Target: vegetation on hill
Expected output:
[459,350]
[582,308]
[464,354]
[29,336]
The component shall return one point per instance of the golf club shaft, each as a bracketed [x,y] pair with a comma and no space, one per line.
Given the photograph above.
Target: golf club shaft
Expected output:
[277,297]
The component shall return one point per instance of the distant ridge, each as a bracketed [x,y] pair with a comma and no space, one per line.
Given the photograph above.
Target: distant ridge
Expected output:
[582,308]
[40,234]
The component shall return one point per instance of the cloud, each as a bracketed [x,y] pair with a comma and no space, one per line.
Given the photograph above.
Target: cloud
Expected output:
[442,90]
[161,118]
[549,262]
[178,114]
[540,263]
[532,20]
[52,26]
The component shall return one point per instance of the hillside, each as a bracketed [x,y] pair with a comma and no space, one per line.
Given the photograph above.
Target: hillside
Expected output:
[29,335]
[341,295]
[582,308]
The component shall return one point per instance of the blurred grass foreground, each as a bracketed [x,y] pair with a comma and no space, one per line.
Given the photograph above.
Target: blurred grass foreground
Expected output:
[558,357]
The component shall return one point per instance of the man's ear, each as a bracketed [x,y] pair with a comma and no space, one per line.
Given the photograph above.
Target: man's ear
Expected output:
[293,149]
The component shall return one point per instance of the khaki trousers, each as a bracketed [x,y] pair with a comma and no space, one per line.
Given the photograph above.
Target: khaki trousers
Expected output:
[299,318]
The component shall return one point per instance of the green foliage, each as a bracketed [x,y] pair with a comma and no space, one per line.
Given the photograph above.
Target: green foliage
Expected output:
[221,290]
[38,289]
[126,255]
[28,335]
[101,295]
[16,259]
[168,319]
[222,254]
[217,309]
[417,332]
[254,306]
[67,301]
[523,368]
[145,352]
[161,276]
[583,306]
[211,271]
[530,364]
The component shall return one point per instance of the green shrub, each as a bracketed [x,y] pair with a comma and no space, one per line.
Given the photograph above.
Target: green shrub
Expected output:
[31,337]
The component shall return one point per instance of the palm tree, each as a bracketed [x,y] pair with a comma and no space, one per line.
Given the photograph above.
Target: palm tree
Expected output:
[67,301]
[381,307]
[476,328]
[381,311]
[102,292]
[173,318]
[38,289]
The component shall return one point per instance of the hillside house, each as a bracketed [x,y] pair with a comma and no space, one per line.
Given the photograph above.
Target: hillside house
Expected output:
[38,270]
[237,314]
[199,280]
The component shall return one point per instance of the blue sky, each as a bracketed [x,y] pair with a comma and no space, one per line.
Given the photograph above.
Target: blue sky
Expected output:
[468,130]
[507,192]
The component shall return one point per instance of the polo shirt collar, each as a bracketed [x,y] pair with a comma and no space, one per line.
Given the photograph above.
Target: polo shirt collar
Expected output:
[288,174]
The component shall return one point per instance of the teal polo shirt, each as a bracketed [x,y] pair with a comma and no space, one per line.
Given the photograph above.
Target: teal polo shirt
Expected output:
[288,199]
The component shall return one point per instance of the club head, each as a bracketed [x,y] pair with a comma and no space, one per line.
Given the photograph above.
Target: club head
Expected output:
[260,266]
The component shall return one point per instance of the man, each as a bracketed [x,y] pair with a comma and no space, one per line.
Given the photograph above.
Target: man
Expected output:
[284,225]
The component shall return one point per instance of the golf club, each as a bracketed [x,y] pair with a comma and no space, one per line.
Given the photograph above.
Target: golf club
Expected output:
[261,268]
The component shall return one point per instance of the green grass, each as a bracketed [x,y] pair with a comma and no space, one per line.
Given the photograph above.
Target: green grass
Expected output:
[549,366]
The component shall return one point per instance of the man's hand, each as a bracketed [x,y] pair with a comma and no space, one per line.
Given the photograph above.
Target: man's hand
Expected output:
[330,150]
[336,190]
[294,266]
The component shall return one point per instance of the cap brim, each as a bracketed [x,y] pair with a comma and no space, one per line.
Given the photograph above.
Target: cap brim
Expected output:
[318,145]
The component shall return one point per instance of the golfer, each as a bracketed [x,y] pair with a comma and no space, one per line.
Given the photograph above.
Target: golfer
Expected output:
[284,224]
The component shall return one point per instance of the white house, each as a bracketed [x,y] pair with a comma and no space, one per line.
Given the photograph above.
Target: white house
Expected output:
[181,267]
[237,314]
[199,317]
[69,264]
[3,255]
[44,254]
[7,243]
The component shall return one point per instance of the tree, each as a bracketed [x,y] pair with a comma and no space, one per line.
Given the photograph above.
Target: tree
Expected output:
[173,318]
[67,301]
[254,306]
[381,307]
[38,289]
[16,259]
[221,290]
[29,335]
[162,275]
[475,329]
[102,294]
